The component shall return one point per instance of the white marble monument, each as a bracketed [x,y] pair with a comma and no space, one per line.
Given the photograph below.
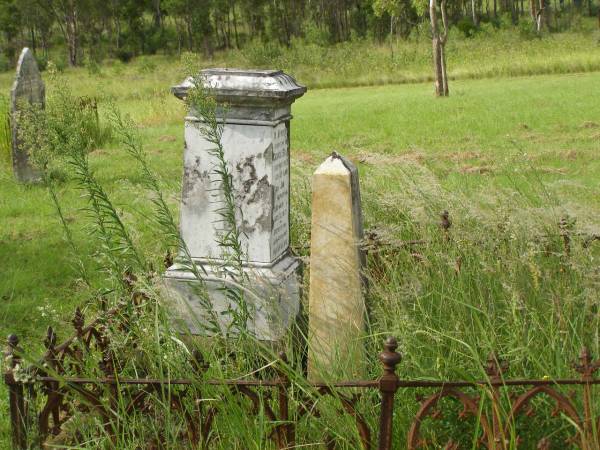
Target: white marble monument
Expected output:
[256,141]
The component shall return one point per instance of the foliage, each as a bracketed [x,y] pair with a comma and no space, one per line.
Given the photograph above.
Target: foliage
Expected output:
[211,127]
[80,29]
[125,130]
[67,127]
[5,131]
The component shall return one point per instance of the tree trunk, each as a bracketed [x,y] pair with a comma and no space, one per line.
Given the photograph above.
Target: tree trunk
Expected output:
[72,38]
[189,31]
[445,89]
[474,11]
[33,42]
[118,32]
[438,44]
[235,29]
[540,19]
[437,67]
[157,14]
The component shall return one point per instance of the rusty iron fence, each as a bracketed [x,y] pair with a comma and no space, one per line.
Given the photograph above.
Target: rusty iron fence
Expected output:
[375,242]
[44,396]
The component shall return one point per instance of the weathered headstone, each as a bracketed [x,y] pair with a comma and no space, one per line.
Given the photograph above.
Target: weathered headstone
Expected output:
[256,141]
[336,303]
[28,89]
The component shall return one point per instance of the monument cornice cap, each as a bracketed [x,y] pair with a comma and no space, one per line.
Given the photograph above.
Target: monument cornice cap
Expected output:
[234,85]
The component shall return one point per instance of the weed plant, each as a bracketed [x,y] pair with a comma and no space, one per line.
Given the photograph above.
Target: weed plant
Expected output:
[229,238]
[5,132]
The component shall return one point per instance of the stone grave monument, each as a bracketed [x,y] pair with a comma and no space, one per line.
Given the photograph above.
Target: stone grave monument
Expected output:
[336,304]
[254,107]
[28,88]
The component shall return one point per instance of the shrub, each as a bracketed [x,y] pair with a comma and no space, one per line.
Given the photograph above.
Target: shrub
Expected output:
[93,66]
[68,125]
[527,30]
[42,62]
[313,34]
[259,53]
[5,64]
[467,27]
[58,65]
[124,55]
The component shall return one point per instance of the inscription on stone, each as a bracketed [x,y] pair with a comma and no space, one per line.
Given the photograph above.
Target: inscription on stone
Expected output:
[280,238]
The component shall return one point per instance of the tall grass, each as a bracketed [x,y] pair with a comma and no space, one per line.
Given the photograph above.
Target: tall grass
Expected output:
[502,281]
[5,132]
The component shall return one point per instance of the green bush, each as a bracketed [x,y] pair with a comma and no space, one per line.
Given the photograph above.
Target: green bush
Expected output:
[93,66]
[5,64]
[125,55]
[42,62]
[262,54]
[313,34]
[467,27]
[527,30]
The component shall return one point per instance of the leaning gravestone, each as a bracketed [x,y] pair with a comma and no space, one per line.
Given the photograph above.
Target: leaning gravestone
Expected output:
[28,89]
[254,107]
[336,305]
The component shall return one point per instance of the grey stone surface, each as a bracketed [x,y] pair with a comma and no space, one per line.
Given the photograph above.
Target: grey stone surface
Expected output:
[255,138]
[28,88]
[256,95]
[273,294]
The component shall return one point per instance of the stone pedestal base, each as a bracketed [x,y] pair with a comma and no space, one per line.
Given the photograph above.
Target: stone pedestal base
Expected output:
[272,295]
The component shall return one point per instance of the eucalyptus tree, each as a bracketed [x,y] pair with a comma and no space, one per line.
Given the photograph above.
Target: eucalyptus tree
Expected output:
[439,37]
[67,15]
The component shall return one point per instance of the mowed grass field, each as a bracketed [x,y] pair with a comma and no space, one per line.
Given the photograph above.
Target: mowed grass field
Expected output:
[514,153]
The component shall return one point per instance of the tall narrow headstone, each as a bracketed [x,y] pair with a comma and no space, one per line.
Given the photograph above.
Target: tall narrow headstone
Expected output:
[28,89]
[336,303]
[255,109]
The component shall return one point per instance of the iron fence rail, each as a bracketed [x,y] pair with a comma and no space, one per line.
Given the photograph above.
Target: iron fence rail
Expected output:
[63,395]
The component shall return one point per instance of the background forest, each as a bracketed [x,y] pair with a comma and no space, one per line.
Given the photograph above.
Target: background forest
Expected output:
[85,32]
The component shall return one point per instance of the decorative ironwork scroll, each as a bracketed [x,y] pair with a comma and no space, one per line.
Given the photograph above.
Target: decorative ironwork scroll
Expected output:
[45,396]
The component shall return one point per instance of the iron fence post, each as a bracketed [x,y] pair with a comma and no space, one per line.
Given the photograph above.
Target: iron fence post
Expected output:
[587,368]
[388,385]
[16,397]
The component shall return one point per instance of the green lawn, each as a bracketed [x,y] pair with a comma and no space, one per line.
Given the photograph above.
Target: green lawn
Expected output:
[521,152]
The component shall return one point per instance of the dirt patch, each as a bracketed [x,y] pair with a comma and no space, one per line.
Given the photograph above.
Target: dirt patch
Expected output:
[553,170]
[570,154]
[378,159]
[304,157]
[589,125]
[462,156]
[167,139]
[477,170]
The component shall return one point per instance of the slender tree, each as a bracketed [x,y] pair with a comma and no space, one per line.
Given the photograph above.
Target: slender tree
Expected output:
[439,39]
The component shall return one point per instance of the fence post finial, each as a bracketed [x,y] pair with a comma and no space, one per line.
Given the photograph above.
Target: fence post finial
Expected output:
[388,384]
